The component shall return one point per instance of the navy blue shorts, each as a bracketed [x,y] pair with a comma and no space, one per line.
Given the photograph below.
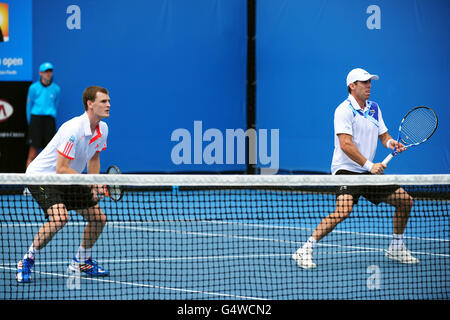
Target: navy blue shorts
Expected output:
[74,197]
[374,194]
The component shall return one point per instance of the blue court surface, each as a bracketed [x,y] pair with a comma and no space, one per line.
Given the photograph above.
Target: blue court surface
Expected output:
[222,247]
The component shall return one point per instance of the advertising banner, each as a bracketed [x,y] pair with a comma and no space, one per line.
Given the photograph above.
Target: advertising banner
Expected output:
[15,40]
[13,126]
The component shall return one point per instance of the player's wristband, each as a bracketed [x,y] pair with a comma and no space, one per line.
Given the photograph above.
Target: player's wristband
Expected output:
[368,165]
[388,143]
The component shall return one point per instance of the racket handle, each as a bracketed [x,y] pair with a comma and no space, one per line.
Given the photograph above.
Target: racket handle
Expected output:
[387,159]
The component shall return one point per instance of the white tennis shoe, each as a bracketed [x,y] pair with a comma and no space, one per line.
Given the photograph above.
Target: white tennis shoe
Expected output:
[304,258]
[401,255]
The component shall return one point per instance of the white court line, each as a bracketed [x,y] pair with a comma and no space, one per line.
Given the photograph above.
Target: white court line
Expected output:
[312,229]
[142,285]
[126,283]
[5,267]
[265,239]
[122,225]
[353,251]
[22,224]
[184,259]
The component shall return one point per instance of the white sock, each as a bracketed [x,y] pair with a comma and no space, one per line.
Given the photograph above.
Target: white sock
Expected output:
[83,254]
[31,253]
[310,243]
[397,241]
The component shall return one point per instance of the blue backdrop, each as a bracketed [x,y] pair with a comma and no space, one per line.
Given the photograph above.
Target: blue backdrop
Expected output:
[305,50]
[169,63]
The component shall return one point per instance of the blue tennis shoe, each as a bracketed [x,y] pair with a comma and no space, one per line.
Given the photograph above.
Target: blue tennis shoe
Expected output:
[24,267]
[89,267]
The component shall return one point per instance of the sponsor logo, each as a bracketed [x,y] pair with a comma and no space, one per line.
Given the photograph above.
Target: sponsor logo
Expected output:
[6,110]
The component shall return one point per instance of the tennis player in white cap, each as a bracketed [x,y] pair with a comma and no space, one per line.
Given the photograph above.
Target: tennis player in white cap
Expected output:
[358,124]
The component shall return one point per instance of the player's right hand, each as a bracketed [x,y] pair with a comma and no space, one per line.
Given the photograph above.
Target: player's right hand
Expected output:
[378,168]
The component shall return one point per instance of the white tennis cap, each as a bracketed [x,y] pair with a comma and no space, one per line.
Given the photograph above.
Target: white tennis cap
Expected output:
[359,74]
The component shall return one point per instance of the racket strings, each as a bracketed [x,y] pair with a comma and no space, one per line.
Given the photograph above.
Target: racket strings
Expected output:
[115,192]
[418,126]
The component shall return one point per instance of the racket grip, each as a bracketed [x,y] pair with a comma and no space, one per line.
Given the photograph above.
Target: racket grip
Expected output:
[387,159]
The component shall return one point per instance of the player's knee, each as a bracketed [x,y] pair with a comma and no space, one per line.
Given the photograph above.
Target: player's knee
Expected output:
[408,203]
[344,207]
[58,216]
[405,203]
[102,219]
[345,213]
[57,210]
[98,216]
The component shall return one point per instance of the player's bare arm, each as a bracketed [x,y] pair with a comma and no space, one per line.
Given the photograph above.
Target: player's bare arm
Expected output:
[63,165]
[386,138]
[93,167]
[350,149]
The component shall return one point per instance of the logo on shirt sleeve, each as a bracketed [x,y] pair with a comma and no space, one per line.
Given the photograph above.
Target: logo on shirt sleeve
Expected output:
[69,146]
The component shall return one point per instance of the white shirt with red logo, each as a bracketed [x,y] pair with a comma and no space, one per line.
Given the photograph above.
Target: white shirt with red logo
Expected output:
[75,141]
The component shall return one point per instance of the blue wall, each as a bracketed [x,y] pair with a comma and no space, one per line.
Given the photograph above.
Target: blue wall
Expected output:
[167,63]
[305,50]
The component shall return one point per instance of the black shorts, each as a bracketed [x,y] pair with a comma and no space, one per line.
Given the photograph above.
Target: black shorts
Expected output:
[74,197]
[374,194]
[41,130]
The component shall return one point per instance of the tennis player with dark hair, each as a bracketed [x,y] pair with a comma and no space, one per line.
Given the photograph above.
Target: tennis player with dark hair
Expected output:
[42,105]
[358,124]
[77,144]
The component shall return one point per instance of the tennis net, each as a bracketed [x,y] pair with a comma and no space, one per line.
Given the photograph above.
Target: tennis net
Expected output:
[215,237]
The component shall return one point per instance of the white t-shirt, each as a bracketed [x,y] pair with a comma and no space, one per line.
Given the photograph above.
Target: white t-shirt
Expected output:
[363,125]
[75,141]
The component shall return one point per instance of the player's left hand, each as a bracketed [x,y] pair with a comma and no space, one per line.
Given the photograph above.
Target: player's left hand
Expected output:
[99,192]
[397,146]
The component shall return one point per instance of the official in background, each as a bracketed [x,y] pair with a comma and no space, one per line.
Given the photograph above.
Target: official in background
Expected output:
[42,105]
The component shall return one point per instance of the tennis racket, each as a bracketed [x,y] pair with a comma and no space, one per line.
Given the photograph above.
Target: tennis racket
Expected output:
[417,126]
[115,192]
